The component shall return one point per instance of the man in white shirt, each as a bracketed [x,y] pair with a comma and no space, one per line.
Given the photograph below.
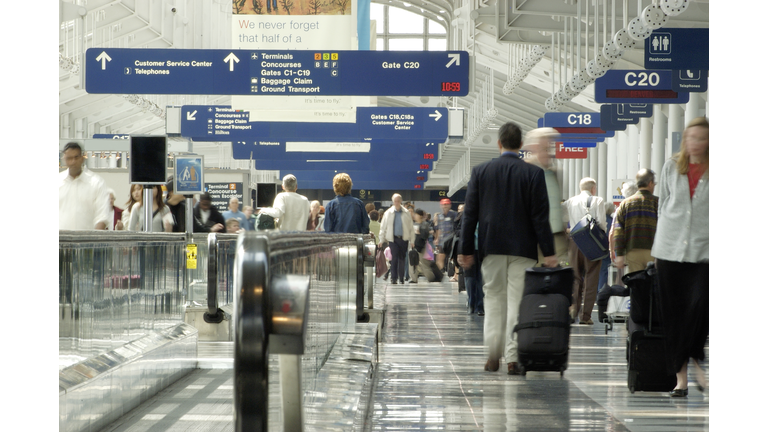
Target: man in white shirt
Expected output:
[290,208]
[586,273]
[83,196]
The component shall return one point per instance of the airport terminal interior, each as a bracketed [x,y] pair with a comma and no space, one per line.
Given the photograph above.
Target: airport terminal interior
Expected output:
[274,330]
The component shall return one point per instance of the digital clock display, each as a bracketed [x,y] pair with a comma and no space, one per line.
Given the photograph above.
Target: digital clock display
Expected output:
[417,186]
[419,178]
[429,156]
[450,86]
[424,166]
[641,94]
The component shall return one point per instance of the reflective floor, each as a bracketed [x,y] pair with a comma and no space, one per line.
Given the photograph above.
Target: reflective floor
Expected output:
[431,376]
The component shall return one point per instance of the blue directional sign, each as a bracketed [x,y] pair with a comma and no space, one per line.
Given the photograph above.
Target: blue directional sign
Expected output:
[275,72]
[364,184]
[112,136]
[572,119]
[188,178]
[325,150]
[352,164]
[358,176]
[693,81]
[677,49]
[618,116]
[638,86]
[222,123]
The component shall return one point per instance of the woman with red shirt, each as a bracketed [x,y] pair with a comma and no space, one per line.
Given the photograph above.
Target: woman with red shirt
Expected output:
[681,250]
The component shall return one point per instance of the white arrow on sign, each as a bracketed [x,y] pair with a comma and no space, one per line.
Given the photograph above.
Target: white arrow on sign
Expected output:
[191,115]
[454,59]
[232,59]
[103,58]
[436,115]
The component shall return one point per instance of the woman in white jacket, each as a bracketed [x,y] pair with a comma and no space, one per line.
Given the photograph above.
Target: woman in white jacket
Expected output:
[399,233]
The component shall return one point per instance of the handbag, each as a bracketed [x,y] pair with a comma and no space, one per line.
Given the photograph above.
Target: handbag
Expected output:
[589,237]
[429,255]
[546,280]
[413,257]
[381,263]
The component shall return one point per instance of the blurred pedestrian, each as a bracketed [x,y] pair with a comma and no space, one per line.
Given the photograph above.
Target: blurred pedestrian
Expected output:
[681,249]
[397,229]
[505,193]
[635,224]
[83,196]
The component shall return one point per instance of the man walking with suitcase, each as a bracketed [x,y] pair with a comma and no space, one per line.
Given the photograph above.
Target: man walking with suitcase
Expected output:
[586,272]
[507,202]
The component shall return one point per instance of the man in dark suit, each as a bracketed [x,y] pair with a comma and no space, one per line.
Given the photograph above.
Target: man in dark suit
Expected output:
[508,199]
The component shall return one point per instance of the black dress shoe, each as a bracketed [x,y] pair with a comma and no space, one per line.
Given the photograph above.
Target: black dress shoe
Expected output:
[492,365]
[679,393]
[481,313]
[512,369]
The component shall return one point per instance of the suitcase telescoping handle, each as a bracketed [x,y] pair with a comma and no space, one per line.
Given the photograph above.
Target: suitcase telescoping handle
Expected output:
[651,271]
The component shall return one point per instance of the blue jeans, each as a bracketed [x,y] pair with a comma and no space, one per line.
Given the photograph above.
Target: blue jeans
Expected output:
[274,5]
[473,279]
[603,279]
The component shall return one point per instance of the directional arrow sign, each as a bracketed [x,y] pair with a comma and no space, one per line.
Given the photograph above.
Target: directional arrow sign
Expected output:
[272,72]
[231,59]
[103,58]
[217,123]
[191,115]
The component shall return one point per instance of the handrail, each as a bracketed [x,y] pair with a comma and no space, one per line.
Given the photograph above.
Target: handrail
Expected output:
[214,314]
[268,317]
[116,236]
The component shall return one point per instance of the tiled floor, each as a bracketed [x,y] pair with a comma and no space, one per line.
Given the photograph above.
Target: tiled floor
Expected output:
[431,377]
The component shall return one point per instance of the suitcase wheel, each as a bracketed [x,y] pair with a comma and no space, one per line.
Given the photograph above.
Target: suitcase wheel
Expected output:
[562,371]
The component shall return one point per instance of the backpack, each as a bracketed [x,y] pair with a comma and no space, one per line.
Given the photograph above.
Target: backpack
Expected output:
[264,222]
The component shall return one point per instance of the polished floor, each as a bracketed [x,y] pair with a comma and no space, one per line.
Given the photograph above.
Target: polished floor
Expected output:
[430,377]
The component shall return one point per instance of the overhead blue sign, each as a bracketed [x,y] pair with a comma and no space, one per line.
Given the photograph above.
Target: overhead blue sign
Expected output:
[677,49]
[222,123]
[585,133]
[112,136]
[638,86]
[572,119]
[693,81]
[274,72]
[618,116]
[325,150]
[353,164]
[364,184]
[358,176]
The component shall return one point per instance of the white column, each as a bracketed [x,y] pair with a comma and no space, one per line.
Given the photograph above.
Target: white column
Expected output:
[593,170]
[675,125]
[603,182]
[692,108]
[646,139]
[579,174]
[585,165]
[612,158]
[574,177]
[622,142]
[633,146]
[659,138]
[565,178]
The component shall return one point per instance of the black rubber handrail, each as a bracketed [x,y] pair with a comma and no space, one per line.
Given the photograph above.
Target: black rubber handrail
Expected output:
[214,314]
[256,252]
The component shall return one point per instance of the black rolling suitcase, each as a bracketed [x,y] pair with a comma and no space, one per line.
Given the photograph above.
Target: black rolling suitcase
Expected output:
[437,275]
[646,369]
[544,325]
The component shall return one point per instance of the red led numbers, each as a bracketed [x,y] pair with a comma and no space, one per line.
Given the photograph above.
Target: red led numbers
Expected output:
[424,166]
[429,156]
[417,186]
[450,86]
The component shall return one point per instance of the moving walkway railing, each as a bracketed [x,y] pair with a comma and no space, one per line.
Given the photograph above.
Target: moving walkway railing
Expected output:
[295,295]
[214,272]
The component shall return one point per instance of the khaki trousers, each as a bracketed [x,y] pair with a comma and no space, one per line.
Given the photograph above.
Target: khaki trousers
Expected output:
[586,275]
[504,277]
[637,259]
[561,248]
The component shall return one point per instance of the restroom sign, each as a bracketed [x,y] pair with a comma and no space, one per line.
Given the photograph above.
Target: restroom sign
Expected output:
[562,152]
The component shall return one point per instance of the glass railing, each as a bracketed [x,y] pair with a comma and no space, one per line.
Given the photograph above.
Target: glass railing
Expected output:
[115,288]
